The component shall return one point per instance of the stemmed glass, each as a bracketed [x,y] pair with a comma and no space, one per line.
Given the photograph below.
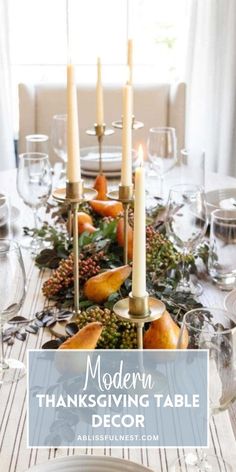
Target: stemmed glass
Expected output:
[37,143]
[59,142]
[186,224]
[213,329]
[162,151]
[12,294]
[34,185]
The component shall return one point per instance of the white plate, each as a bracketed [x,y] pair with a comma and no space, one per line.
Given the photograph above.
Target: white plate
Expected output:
[91,173]
[111,158]
[230,302]
[216,198]
[89,464]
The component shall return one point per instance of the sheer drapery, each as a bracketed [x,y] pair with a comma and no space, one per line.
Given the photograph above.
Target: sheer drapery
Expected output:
[7,158]
[211,81]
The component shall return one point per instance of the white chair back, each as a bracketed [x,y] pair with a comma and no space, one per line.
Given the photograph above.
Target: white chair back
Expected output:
[159,105]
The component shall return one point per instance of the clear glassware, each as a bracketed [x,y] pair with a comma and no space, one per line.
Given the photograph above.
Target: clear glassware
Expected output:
[213,329]
[222,253]
[37,143]
[59,136]
[192,167]
[186,224]
[34,185]
[5,216]
[162,153]
[12,294]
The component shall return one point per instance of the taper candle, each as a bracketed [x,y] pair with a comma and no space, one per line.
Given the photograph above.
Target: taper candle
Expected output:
[99,95]
[73,149]
[139,245]
[130,61]
[126,166]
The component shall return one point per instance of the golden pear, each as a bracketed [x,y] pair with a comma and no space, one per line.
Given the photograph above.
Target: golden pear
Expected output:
[164,334]
[120,237]
[86,338]
[100,185]
[101,286]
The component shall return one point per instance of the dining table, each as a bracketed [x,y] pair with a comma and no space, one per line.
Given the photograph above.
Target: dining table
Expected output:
[14,454]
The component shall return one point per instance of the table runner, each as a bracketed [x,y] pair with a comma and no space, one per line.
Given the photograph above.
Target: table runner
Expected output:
[15,457]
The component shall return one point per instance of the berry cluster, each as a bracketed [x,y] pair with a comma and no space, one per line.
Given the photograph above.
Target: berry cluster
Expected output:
[116,334]
[62,277]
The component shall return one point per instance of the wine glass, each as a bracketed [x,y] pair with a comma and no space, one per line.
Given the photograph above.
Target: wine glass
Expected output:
[186,224]
[12,294]
[192,167]
[59,144]
[37,143]
[213,329]
[34,185]
[59,136]
[162,151]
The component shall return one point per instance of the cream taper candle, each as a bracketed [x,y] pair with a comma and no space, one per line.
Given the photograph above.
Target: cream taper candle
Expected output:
[99,95]
[73,149]
[139,245]
[130,61]
[126,166]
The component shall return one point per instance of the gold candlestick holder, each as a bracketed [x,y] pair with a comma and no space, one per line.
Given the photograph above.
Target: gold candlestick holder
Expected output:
[73,195]
[125,195]
[100,131]
[135,124]
[139,310]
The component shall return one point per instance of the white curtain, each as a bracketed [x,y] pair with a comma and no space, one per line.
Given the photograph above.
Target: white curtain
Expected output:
[211,81]
[7,158]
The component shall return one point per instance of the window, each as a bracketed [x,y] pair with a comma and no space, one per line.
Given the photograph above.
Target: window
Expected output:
[38,44]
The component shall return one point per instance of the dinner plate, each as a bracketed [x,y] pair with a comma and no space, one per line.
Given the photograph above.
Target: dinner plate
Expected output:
[224,198]
[230,302]
[111,158]
[85,463]
[94,173]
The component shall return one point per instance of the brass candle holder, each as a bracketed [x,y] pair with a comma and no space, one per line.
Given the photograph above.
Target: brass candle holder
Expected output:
[100,131]
[135,124]
[124,194]
[73,195]
[139,310]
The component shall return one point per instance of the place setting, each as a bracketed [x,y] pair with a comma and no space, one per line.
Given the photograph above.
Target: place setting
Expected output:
[117,284]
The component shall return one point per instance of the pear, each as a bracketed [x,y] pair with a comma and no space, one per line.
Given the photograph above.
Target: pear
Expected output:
[86,338]
[164,334]
[120,237]
[101,286]
[100,185]
[107,208]
[85,223]
[88,228]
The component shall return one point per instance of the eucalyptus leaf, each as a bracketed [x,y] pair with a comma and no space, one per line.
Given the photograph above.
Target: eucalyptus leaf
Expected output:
[71,329]
[32,329]
[18,320]
[52,344]
[21,336]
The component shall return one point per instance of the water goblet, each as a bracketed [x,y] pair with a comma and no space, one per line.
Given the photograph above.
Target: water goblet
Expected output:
[34,185]
[222,253]
[37,143]
[59,136]
[12,294]
[213,329]
[186,224]
[162,152]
